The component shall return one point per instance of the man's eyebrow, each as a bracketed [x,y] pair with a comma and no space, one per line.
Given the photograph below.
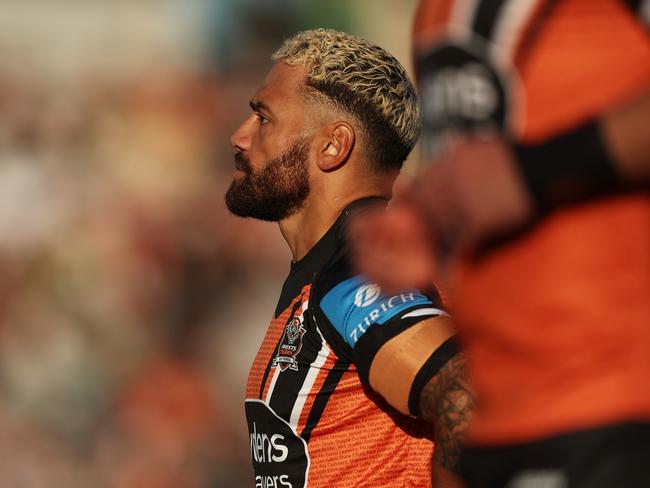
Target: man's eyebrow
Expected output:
[258,105]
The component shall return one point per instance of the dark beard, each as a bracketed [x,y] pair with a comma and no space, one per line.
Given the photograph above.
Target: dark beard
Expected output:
[278,191]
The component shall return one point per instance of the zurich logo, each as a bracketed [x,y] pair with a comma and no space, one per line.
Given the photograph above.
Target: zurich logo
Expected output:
[367,295]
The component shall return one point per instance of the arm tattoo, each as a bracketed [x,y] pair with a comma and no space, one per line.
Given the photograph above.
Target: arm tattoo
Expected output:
[447,401]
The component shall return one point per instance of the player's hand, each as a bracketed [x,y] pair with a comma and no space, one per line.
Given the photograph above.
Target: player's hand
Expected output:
[393,247]
[472,194]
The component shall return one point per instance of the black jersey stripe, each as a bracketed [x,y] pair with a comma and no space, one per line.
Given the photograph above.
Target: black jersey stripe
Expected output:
[641,8]
[376,337]
[323,396]
[533,30]
[436,361]
[285,391]
[486,17]
[635,5]
[296,306]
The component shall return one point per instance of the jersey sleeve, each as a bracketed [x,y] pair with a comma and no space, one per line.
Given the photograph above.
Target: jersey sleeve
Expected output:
[362,319]
[356,305]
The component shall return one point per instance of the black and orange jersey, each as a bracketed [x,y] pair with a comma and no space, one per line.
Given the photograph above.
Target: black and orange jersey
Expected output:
[313,418]
[557,321]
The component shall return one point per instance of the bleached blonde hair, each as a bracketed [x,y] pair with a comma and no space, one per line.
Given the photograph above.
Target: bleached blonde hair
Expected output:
[365,81]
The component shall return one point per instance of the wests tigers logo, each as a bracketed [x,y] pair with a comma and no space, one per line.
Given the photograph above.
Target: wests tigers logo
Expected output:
[290,345]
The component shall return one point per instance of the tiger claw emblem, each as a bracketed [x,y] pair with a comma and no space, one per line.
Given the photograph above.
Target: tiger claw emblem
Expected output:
[290,346]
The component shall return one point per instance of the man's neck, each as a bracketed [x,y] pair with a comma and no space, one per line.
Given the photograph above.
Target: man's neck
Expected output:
[307,226]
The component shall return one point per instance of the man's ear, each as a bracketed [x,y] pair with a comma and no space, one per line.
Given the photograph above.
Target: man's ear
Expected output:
[335,143]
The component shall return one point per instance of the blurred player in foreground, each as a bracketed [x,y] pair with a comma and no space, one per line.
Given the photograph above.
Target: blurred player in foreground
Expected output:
[347,375]
[537,130]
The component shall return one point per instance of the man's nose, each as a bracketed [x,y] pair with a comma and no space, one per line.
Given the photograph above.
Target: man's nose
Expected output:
[241,138]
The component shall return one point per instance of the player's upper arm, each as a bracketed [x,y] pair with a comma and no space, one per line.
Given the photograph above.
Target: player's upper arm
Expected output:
[398,342]
[405,364]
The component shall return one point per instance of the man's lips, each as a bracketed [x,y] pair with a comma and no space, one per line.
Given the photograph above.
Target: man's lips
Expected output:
[241,164]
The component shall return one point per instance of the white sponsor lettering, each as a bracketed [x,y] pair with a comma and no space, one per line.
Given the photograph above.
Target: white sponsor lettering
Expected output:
[372,317]
[367,295]
[281,481]
[284,451]
[465,92]
[546,478]
[407,297]
[265,449]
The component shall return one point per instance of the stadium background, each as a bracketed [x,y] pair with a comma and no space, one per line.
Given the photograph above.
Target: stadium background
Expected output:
[131,303]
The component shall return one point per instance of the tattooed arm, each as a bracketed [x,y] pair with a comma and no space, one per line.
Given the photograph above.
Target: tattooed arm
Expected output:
[447,401]
[444,400]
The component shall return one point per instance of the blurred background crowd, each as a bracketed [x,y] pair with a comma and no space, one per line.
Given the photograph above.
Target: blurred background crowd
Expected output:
[131,302]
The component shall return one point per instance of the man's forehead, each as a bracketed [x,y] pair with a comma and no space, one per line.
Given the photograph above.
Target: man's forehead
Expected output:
[283,81]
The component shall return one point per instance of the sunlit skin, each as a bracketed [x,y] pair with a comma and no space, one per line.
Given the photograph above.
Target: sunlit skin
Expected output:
[338,172]
[276,118]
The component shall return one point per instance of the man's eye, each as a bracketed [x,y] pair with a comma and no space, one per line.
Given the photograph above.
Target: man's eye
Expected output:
[263,120]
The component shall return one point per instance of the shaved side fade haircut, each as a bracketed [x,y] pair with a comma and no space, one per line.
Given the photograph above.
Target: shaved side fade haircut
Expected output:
[364,81]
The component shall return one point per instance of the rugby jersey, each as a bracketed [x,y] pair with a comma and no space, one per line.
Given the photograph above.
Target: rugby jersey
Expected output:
[556,322]
[313,419]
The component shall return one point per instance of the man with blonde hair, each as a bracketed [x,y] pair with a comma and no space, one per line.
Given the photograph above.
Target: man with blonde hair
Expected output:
[347,377]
